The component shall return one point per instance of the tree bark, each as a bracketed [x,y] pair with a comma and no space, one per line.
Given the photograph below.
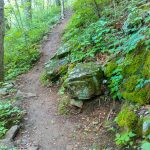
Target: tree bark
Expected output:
[28,9]
[57,2]
[1,40]
[97,8]
[62,9]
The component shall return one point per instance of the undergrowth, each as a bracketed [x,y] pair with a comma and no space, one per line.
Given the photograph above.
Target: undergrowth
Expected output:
[122,35]
[22,44]
[121,30]
[63,105]
[9,116]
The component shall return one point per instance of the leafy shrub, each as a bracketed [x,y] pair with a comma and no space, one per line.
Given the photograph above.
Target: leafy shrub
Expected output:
[9,116]
[63,106]
[125,138]
[22,44]
[145,145]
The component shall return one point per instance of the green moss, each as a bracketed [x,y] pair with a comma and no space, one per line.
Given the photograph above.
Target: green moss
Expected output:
[131,82]
[134,67]
[146,68]
[43,79]
[63,106]
[65,75]
[133,63]
[141,96]
[111,66]
[138,66]
[127,118]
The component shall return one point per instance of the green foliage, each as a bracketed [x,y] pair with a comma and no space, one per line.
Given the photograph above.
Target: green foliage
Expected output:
[145,145]
[22,43]
[43,79]
[83,9]
[123,32]
[125,138]
[9,116]
[89,42]
[63,105]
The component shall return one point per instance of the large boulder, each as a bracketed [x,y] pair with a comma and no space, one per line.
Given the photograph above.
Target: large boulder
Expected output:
[84,81]
[56,68]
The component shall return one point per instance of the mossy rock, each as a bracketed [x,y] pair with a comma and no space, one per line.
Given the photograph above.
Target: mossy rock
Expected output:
[138,68]
[128,120]
[141,95]
[110,67]
[56,68]
[84,81]
[134,68]
[62,52]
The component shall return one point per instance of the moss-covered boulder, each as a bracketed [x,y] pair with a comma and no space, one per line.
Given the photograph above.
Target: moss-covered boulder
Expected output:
[56,68]
[84,81]
[130,76]
[62,52]
[127,118]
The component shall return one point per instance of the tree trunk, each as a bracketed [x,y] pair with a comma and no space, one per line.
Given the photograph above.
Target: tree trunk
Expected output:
[62,9]
[28,9]
[57,2]
[97,8]
[1,40]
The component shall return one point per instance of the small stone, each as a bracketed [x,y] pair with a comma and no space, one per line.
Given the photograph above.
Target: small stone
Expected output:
[6,143]
[33,147]
[9,85]
[25,95]
[95,122]
[11,133]
[104,81]
[76,103]
[3,92]
[146,127]
[146,113]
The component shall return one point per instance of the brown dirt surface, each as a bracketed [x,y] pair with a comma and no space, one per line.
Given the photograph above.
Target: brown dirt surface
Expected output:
[43,125]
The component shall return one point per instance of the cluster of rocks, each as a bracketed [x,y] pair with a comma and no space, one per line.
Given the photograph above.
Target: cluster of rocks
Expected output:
[57,66]
[82,81]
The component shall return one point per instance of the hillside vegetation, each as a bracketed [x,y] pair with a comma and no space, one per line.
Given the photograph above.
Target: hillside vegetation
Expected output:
[22,37]
[122,33]
[116,35]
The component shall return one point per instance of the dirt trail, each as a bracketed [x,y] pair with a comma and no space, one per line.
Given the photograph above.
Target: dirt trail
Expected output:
[42,124]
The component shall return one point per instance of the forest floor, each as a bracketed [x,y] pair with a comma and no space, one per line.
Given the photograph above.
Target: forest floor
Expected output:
[44,126]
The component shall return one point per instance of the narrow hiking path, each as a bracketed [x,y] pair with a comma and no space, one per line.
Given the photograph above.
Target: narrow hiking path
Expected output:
[42,124]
